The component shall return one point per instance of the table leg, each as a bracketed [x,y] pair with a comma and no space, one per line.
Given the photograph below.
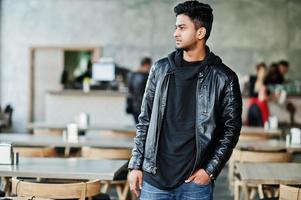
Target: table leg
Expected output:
[231,174]
[6,186]
[245,190]
[237,187]
[67,151]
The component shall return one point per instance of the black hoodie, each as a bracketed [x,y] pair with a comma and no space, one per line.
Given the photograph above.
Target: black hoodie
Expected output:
[177,149]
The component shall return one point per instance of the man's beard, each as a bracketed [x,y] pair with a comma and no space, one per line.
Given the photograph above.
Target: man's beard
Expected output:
[185,48]
[181,48]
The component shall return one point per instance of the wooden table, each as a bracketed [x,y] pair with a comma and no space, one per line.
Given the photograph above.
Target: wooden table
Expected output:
[45,125]
[29,140]
[63,168]
[248,132]
[269,173]
[268,146]
[43,128]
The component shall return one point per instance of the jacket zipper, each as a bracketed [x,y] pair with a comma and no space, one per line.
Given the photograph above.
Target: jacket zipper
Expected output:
[206,100]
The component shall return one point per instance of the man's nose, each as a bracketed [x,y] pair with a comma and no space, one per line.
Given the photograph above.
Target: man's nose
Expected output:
[176,34]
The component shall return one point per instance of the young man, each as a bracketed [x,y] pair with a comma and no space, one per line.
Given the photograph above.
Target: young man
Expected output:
[190,116]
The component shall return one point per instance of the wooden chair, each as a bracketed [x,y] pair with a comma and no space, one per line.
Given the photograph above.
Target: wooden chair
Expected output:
[104,153]
[24,198]
[254,156]
[29,152]
[55,190]
[36,151]
[47,132]
[122,186]
[289,193]
[117,134]
[241,156]
[246,137]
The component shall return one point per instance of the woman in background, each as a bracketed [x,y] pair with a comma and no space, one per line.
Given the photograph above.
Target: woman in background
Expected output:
[258,112]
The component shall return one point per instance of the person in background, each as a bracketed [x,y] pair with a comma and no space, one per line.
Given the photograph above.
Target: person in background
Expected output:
[274,76]
[258,112]
[283,67]
[86,74]
[136,84]
[64,79]
[257,81]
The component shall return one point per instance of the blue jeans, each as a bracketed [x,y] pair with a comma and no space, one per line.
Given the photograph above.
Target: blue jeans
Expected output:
[185,191]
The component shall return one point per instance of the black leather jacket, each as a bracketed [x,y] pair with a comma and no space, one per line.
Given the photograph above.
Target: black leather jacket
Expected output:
[218,115]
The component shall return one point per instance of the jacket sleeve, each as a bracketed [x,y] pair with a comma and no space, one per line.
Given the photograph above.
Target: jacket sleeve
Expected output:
[231,109]
[144,120]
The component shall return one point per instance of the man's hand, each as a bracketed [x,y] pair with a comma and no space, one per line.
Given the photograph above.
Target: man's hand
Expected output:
[136,181]
[199,177]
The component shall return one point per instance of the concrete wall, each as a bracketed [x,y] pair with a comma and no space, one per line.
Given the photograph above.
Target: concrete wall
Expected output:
[244,32]
[0,46]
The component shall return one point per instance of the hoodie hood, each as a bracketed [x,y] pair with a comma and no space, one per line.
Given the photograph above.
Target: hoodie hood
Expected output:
[175,59]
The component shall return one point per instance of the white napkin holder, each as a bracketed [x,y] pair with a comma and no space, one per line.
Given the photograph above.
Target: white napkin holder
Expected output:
[295,136]
[72,132]
[6,152]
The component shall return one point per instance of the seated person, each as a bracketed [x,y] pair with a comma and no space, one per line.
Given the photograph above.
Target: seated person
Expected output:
[258,112]
[256,81]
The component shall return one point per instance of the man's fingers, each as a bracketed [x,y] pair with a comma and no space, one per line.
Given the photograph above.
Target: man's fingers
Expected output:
[136,193]
[190,179]
[140,182]
[134,190]
[133,185]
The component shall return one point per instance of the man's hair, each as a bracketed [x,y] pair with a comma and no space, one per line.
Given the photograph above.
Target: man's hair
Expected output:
[284,63]
[260,65]
[199,13]
[146,61]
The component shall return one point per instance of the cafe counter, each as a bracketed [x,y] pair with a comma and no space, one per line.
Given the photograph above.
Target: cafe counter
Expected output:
[105,107]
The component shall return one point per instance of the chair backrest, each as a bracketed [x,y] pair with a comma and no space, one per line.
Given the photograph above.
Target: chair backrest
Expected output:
[289,193]
[246,137]
[52,132]
[117,134]
[103,153]
[254,156]
[53,190]
[36,151]
[24,198]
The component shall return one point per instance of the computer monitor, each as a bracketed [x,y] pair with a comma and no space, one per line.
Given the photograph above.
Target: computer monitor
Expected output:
[103,71]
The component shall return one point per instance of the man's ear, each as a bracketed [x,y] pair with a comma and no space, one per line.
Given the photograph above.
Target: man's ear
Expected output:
[201,32]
